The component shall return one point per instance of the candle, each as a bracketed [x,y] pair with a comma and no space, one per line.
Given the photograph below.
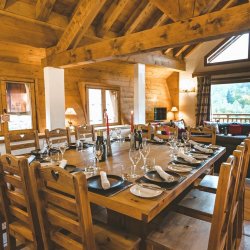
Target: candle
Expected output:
[132,121]
[107,122]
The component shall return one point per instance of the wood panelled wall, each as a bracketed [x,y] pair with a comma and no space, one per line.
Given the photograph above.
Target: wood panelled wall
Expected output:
[19,62]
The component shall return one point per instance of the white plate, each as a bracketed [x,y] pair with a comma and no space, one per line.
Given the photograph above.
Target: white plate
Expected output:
[199,156]
[214,147]
[145,192]
[180,168]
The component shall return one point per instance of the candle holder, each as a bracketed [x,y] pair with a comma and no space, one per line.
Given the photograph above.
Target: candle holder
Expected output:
[109,149]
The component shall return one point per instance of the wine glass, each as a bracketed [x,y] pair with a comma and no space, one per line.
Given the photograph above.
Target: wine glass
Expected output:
[134,156]
[62,147]
[185,137]
[98,152]
[144,150]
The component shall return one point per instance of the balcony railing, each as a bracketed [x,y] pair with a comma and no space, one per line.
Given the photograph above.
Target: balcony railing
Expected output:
[240,118]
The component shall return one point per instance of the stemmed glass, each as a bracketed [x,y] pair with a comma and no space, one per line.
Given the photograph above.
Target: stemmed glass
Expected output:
[98,152]
[134,156]
[144,150]
[62,147]
[185,137]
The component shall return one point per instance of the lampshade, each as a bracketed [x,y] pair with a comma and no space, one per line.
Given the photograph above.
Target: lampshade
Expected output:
[174,109]
[70,111]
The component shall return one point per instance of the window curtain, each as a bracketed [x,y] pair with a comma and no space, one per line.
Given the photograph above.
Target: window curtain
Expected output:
[203,100]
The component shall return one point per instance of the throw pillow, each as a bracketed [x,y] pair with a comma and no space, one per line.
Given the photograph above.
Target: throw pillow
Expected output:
[210,125]
[235,129]
[180,124]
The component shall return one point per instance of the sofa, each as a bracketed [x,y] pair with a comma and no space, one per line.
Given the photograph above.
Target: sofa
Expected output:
[229,136]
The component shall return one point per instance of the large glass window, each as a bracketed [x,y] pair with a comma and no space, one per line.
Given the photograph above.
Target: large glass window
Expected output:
[230,102]
[101,99]
[234,49]
[17,100]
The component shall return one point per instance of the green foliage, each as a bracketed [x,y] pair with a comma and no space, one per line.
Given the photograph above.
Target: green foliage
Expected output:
[231,98]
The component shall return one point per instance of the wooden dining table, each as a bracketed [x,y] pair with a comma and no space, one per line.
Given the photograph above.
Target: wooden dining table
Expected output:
[131,209]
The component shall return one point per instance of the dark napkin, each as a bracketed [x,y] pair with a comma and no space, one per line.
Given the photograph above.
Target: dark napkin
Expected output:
[112,191]
[165,185]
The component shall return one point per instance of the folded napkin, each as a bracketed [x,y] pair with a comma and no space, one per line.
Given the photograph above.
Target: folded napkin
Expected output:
[165,176]
[187,158]
[193,142]
[104,180]
[205,150]
[63,163]
[43,150]
[156,138]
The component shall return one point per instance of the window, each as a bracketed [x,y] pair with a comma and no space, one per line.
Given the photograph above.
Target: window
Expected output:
[17,100]
[230,102]
[234,49]
[99,99]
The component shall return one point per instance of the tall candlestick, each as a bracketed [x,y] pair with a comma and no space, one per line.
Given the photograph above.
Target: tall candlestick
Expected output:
[132,121]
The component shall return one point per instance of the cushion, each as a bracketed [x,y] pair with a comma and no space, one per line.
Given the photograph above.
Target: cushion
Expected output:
[180,124]
[210,125]
[165,131]
[235,129]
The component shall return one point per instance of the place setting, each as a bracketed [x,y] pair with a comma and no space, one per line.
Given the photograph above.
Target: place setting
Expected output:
[107,184]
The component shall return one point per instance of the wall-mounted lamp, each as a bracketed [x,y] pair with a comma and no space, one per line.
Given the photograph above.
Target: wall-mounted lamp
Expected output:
[192,90]
[174,110]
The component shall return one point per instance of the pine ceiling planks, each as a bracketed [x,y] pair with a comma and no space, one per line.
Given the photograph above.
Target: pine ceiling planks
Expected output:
[44,8]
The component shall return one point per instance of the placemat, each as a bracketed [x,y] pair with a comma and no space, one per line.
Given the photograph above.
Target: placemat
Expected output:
[112,191]
[167,186]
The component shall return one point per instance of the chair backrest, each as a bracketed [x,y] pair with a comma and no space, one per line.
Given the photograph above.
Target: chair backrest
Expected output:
[146,129]
[82,131]
[246,158]
[58,135]
[202,134]
[21,141]
[163,131]
[63,207]
[17,198]
[225,200]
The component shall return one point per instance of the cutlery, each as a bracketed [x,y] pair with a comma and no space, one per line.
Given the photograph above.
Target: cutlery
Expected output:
[150,187]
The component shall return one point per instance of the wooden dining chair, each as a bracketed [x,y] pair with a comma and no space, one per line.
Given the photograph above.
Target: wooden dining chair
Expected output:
[146,130]
[202,134]
[179,231]
[23,142]
[65,216]
[200,204]
[84,131]
[210,184]
[58,135]
[18,203]
[163,131]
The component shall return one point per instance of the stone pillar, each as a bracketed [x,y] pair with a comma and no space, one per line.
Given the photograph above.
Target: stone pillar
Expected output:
[139,94]
[54,97]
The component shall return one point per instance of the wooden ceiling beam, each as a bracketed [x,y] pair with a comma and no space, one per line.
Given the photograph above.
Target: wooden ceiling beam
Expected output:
[209,7]
[2,4]
[139,19]
[25,11]
[178,51]
[111,16]
[207,27]
[83,17]
[132,17]
[24,31]
[162,20]
[169,7]
[190,49]
[155,58]
[44,8]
